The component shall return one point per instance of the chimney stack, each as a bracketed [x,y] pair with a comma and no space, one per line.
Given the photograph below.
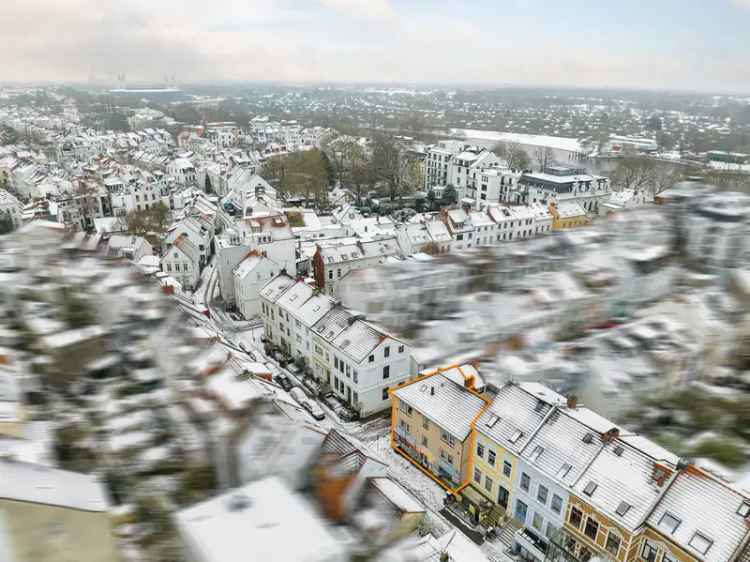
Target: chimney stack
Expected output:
[572,401]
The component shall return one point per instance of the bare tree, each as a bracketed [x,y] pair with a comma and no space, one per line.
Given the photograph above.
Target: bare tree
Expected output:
[514,155]
[544,157]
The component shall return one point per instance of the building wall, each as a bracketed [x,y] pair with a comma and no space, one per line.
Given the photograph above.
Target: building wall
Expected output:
[547,520]
[422,440]
[606,526]
[44,533]
[495,472]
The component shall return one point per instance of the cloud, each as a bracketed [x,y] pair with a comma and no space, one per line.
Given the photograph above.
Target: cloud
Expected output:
[370,9]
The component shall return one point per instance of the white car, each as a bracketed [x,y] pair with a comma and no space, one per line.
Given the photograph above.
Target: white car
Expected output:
[314,410]
[298,395]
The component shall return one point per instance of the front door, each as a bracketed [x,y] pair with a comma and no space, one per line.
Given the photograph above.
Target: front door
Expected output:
[521,509]
[502,497]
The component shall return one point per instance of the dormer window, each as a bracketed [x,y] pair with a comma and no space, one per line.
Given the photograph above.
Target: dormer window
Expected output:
[516,436]
[623,508]
[744,509]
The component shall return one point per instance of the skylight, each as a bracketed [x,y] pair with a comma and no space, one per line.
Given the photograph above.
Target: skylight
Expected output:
[744,509]
[537,452]
[623,508]
[516,436]
[669,522]
[564,470]
[494,418]
[588,438]
[701,543]
[590,488]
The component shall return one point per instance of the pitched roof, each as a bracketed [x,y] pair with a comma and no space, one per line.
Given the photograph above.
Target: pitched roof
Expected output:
[702,504]
[442,401]
[276,287]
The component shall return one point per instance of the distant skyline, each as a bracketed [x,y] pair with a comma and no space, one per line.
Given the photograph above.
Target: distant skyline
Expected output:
[691,45]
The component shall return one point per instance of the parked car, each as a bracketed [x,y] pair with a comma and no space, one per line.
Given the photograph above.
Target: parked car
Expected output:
[284,381]
[299,395]
[314,410]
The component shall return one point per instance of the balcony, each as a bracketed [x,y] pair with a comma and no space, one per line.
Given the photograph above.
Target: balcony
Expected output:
[532,546]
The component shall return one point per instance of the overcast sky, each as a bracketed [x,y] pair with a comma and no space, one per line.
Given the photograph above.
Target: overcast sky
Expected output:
[659,44]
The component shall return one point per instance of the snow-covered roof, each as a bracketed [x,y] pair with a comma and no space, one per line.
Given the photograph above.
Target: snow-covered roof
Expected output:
[449,405]
[276,287]
[399,497]
[514,415]
[20,481]
[708,513]
[264,518]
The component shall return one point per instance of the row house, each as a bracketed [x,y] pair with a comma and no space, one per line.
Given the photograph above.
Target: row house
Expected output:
[359,361]
[578,487]
[432,419]
[332,263]
[180,259]
[431,236]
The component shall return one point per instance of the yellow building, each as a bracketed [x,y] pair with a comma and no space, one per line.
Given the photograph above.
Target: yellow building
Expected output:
[431,423]
[502,432]
[567,214]
[51,515]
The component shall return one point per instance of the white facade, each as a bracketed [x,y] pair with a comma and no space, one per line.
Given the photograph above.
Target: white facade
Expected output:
[359,361]
[250,276]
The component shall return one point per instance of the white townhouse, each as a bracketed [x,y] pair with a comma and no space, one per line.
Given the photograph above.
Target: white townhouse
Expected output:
[250,276]
[180,259]
[359,360]
[183,171]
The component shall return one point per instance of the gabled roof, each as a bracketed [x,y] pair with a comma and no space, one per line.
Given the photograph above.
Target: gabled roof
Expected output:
[358,340]
[333,323]
[449,405]
[515,414]
[620,473]
[276,287]
[702,504]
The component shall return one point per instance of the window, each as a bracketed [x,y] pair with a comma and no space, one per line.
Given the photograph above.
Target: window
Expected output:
[590,488]
[385,393]
[491,457]
[507,469]
[386,371]
[516,436]
[536,453]
[525,482]
[537,521]
[622,509]
[488,483]
[542,493]
[550,530]
[405,408]
[477,476]
[701,543]
[386,351]
[447,456]
[592,528]
[425,422]
[669,522]
[556,504]
[744,509]
[424,441]
[400,348]
[404,426]
[371,358]
[564,470]
[575,517]
[480,450]
[447,438]
[613,544]
[649,551]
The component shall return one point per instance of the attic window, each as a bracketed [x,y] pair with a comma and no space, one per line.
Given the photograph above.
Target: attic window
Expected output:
[619,450]
[588,438]
[537,452]
[516,436]
[564,470]
[701,543]
[493,420]
[623,508]
[590,488]
[669,522]
[744,509]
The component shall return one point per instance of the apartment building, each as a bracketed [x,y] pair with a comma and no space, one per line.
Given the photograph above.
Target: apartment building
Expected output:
[563,183]
[358,360]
